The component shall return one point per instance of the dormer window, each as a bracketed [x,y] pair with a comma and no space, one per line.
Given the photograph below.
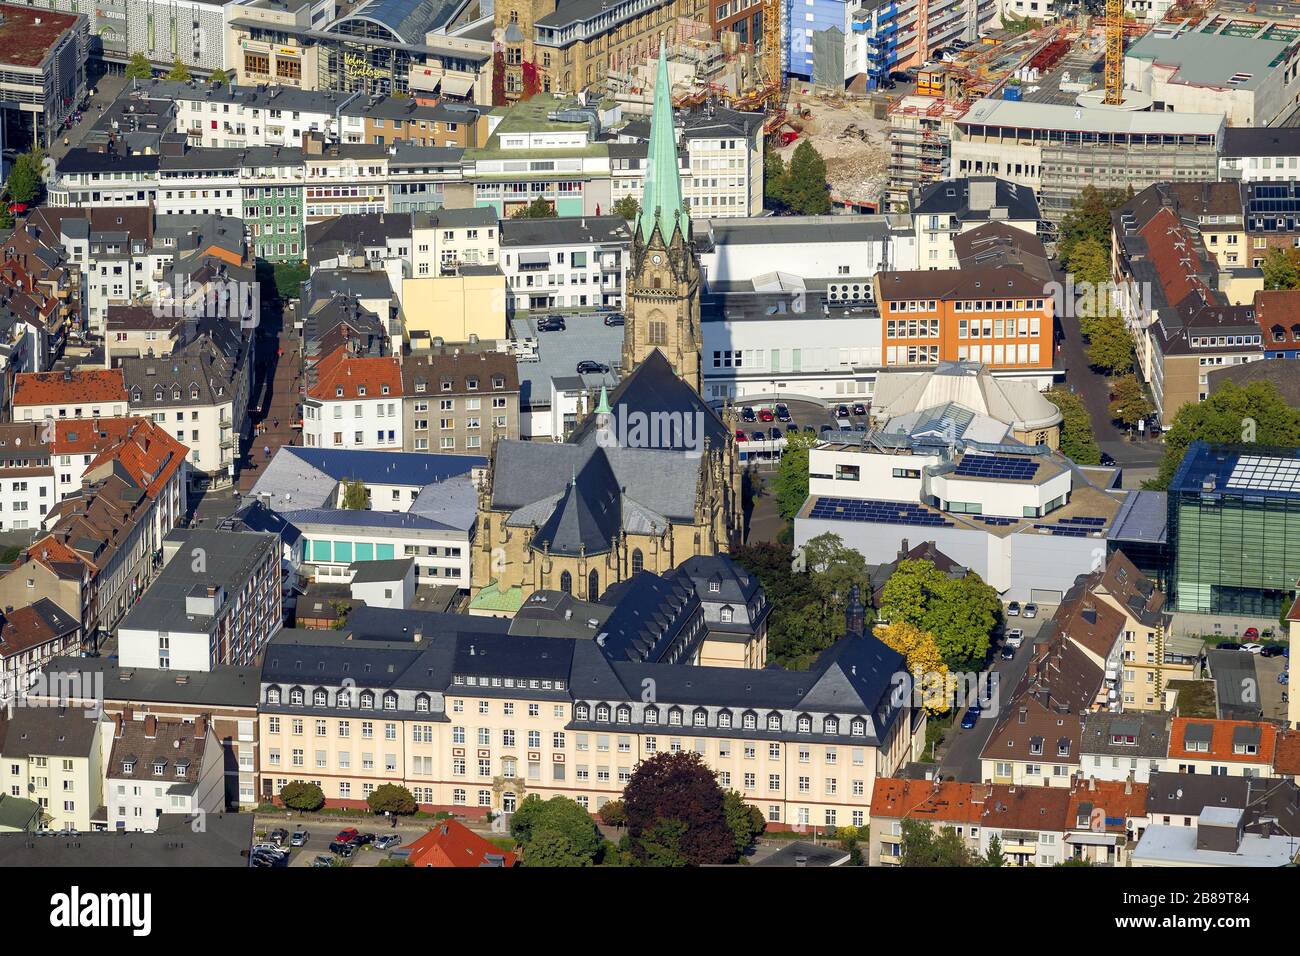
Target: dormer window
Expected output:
[384,390]
[159,768]
[858,728]
[498,381]
[180,770]
[273,695]
[338,391]
[602,713]
[422,704]
[724,719]
[700,718]
[804,725]
[715,587]
[367,700]
[194,393]
[624,714]
[652,715]
[675,717]
[128,767]
[319,698]
[390,701]
[582,712]
[773,721]
[343,699]
[471,384]
[296,697]
[361,391]
[830,725]
[1036,746]
[749,721]
[724,615]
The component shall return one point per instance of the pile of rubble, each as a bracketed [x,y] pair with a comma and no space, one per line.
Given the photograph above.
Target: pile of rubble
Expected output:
[850,137]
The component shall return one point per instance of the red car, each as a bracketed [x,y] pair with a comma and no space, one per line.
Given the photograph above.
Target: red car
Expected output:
[347,835]
[1252,634]
[766,415]
[741,436]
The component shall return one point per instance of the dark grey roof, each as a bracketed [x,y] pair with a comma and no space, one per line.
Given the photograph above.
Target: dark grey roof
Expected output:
[225,685]
[652,619]
[1149,730]
[565,230]
[803,853]
[223,840]
[1235,678]
[353,233]
[1143,517]
[1242,141]
[49,731]
[370,572]
[952,196]
[588,516]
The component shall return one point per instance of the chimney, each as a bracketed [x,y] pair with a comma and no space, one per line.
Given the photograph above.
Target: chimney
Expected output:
[201,727]
[1128,784]
[117,727]
[1092,784]
[128,713]
[150,727]
[419,636]
[902,549]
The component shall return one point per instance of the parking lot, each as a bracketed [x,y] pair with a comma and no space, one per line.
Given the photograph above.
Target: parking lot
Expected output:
[812,418]
[318,845]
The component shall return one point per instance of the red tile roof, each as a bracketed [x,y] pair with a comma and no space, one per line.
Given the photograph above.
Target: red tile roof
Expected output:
[1172,250]
[36,624]
[454,844]
[147,452]
[353,374]
[1279,309]
[1110,797]
[946,802]
[53,554]
[1221,740]
[69,388]
[89,436]
[1286,757]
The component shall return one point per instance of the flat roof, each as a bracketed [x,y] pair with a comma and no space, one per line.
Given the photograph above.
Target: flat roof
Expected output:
[1201,58]
[28,34]
[1249,470]
[1049,116]
[1178,845]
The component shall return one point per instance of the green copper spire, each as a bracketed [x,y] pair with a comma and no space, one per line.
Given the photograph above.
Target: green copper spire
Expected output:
[603,407]
[662,197]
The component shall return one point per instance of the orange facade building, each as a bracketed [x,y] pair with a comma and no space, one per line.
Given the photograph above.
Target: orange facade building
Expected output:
[999,316]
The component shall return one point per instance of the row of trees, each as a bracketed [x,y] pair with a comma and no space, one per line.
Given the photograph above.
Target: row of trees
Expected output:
[138,67]
[308,798]
[1077,439]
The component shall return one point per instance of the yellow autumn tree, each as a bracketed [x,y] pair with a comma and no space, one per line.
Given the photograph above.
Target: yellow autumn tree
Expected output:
[929,672]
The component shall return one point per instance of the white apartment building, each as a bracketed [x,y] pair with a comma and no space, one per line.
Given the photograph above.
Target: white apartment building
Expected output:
[445,240]
[355,403]
[574,261]
[162,766]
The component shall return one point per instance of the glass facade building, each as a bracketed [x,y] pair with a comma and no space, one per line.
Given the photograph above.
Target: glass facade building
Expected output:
[1234,530]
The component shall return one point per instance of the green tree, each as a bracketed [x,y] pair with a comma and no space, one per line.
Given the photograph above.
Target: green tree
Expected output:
[1074,862]
[791,480]
[139,67]
[6,217]
[661,844]
[1088,218]
[1111,345]
[1128,401]
[774,181]
[539,208]
[1077,440]
[961,613]
[302,796]
[219,77]
[569,831]
[24,184]
[179,73]
[392,798]
[922,846]
[1232,415]
[355,496]
[746,820]
[551,848]
[627,207]
[994,856]
[806,189]
[1090,261]
[1281,269]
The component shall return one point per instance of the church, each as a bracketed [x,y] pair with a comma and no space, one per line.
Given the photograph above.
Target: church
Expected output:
[652,477]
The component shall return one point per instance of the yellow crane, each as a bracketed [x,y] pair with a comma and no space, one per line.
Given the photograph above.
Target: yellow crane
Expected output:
[1114,52]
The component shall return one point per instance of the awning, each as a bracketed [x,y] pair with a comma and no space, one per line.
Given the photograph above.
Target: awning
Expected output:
[457,85]
[1092,839]
[534,258]
[425,78]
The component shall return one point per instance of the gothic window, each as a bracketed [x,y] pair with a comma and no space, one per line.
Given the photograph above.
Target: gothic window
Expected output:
[593,585]
[638,561]
[566,582]
[657,332]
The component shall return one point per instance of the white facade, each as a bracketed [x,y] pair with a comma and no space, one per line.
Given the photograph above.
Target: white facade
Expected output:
[573,274]
[135,803]
[370,423]
[442,554]
[24,501]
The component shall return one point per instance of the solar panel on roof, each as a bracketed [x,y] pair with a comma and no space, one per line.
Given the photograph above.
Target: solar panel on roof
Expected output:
[1003,467]
[879,512]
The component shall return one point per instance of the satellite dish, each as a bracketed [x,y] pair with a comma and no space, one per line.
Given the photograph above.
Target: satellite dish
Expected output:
[1180,793]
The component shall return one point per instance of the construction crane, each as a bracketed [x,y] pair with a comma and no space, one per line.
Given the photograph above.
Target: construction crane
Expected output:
[1114,52]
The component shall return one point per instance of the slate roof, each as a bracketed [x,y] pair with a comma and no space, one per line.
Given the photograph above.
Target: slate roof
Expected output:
[48,731]
[222,841]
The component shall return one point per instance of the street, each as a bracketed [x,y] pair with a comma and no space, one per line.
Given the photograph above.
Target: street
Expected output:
[959,756]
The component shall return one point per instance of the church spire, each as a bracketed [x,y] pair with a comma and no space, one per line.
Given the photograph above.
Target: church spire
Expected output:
[661,199]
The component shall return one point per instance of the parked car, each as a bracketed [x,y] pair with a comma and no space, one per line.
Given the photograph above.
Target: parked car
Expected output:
[740,435]
[299,838]
[278,836]
[1284,677]
[970,718]
[361,839]
[859,426]
[268,848]
[782,412]
[766,415]
[810,430]
[1015,637]
[1008,652]
[1252,648]
[1030,610]
[773,433]
[1107,459]
[1013,609]
[1252,634]
[826,428]
[841,411]
[387,840]
[615,318]
[859,408]
[346,834]
[1273,650]
[321,861]
[589,367]
[1228,646]
[792,429]
[747,414]
[552,323]
[758,436]
[343,848]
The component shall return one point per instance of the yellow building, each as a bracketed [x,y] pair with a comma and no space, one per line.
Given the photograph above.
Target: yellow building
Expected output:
[473,720]
[56,756]
[469,302]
